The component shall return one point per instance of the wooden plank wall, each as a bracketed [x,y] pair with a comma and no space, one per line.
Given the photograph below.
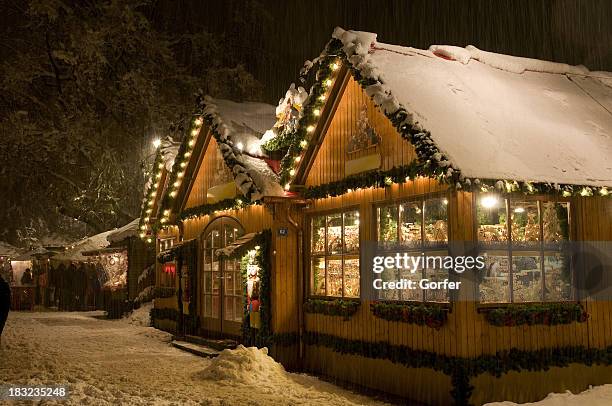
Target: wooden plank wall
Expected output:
[203,181]
[328,166]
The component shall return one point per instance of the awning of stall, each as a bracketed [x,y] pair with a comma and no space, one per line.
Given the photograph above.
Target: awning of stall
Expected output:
[102,251]
[36,253]
[121,233]
[182,249]
[237,247]
[75,252]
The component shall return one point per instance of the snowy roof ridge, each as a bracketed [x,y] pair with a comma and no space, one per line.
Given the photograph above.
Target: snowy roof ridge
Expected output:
[121,233]
[238,128]
[499,117]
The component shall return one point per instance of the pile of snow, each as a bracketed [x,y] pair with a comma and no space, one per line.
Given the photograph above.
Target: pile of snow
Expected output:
[597,396]
[146,272]
[494,116]
[140,316]
[145,295]
[246,366]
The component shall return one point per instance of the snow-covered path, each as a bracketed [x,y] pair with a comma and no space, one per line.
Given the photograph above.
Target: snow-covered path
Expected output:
[114,362]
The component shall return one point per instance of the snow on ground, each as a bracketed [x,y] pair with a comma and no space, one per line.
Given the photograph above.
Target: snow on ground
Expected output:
[597,396]
[114,362]
[141,316]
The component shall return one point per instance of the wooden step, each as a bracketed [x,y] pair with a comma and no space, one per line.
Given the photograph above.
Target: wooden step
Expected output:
[199,350]
[217,344]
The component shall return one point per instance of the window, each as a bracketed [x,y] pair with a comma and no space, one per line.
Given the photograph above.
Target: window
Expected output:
[418,228]
[522,242]
[335,255]
[168,274]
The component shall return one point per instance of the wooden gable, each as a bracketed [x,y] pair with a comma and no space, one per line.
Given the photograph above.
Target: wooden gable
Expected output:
[333,159]
[213,178]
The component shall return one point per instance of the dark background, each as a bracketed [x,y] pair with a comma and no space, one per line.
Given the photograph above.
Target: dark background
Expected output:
[569,31]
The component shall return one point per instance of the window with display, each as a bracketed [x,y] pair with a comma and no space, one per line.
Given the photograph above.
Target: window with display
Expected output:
[335,255]
[419,228]
[168,274]
[522,242]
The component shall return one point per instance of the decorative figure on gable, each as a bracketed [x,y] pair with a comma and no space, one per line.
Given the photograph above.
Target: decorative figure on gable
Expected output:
[289,109]
[365,136]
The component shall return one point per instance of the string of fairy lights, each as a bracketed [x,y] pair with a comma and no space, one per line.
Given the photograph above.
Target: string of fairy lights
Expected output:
[176,177]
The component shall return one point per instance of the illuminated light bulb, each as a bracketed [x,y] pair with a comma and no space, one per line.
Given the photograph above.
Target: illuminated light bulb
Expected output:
[166,212]
[163,220]
[407,179]
[148,211]
[334,66]
[149,240]
[158,175]
[349,190]
[328,82]
[180,174]
[240,146]
[198,121]
[150,202]
[143,227]
[161,166]
[257,247]
[310,128]
[317,112]
[187,154]
[183,164]
[287,186]
[489,201]
[154,193]
[194,132]
[303,143]
[238,201]
[519,210]
[292,172]
[585,192]
[177,184]
[146,218]
[142,235]
[445,201]
[388,180]
[298,158]
[173,193]
[357,222]
[191,143]
[156,142]
[322,97]
[566,193]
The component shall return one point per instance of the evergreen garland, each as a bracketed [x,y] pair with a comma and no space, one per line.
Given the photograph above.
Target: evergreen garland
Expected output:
[433,316]
[462,370]
[549,314]
[338,307]
[210,208]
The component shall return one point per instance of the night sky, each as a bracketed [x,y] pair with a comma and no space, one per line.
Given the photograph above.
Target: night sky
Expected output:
[569,31]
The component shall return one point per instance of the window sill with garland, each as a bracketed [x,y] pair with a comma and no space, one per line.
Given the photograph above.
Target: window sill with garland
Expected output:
[434,315]
[536,313]
[343,307]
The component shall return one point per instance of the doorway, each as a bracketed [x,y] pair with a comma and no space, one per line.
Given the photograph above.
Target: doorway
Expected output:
[222,282]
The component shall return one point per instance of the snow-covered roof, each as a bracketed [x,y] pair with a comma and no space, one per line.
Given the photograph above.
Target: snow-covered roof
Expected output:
[495,116]
[238,129]
[128,230]
[75,251]
[8,250]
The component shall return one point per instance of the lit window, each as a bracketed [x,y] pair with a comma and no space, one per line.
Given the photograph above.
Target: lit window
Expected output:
[521,241]
[335,255]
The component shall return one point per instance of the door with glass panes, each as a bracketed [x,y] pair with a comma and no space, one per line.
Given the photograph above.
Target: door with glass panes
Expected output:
[222,285]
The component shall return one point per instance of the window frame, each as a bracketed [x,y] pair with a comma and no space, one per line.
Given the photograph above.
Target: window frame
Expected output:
[325,255]
[509,250]
[422,249]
